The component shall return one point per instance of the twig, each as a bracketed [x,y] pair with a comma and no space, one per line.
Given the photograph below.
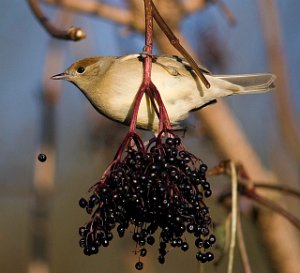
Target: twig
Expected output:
[175,42]
[234,216]
[242,247]
[73,33]
[253,195]
[95,8]
[280,188]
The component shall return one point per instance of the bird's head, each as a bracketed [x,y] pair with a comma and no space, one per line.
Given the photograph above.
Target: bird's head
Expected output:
[85,73]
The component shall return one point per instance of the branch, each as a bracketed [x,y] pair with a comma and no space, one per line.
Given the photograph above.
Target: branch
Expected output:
[91,7]
[253,195]
[281,188]
[175,42]
[73,33]
[248,190]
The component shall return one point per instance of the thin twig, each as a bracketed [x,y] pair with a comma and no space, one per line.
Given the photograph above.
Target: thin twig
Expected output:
[175,42]
[73,33]
[242,247]
[234,216]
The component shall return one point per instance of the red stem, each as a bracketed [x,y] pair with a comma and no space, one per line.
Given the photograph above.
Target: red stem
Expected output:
[147,63]
[164,121]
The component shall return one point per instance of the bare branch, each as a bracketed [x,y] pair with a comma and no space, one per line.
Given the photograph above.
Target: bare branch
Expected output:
[95,8]
[253,195]
[73,33]
[281,188]
[175,42]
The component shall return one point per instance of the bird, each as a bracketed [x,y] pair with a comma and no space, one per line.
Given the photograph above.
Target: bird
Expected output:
[111,83]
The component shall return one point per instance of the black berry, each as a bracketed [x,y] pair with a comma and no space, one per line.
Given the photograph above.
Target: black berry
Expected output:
[159,188]
[139,265]
[42,157]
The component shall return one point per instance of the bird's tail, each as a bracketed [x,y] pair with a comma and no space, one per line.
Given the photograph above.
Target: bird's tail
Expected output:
[251,83]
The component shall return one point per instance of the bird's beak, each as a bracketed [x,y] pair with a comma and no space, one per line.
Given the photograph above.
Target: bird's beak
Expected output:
[61,76]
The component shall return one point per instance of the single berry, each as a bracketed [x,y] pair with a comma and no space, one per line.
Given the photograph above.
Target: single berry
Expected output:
[139,265]
[203,168]
[82,203]
[143,252]
[121,230]
[206,244]
[150,240]
[42,157]
[201,257]
[184,246]
[190,228]
[210,256]
[199,243]
[212,239]
[82,231]
[207,193]
[87,251]
[82,243]
[94,249]
[161,259]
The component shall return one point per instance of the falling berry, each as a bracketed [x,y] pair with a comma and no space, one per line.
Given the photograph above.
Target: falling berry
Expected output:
[42,157]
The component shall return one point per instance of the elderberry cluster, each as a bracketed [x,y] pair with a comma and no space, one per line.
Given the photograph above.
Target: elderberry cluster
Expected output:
[157,189]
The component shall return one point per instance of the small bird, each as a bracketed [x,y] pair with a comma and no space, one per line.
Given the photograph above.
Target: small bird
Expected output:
[110,83]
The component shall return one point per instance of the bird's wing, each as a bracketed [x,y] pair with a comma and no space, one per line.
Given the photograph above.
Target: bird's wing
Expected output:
[128,57]
[179,62]
[174,65]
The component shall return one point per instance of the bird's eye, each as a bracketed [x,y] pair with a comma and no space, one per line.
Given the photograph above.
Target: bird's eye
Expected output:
[80,69]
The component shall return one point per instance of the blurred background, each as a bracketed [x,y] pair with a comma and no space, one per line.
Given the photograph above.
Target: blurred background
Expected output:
[39,208]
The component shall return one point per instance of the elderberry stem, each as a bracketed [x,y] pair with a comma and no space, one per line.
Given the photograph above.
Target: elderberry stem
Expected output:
[165,123]
[147,63]
[130,136]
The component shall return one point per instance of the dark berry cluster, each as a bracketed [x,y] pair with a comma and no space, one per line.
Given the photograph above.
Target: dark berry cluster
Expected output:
[160,188]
